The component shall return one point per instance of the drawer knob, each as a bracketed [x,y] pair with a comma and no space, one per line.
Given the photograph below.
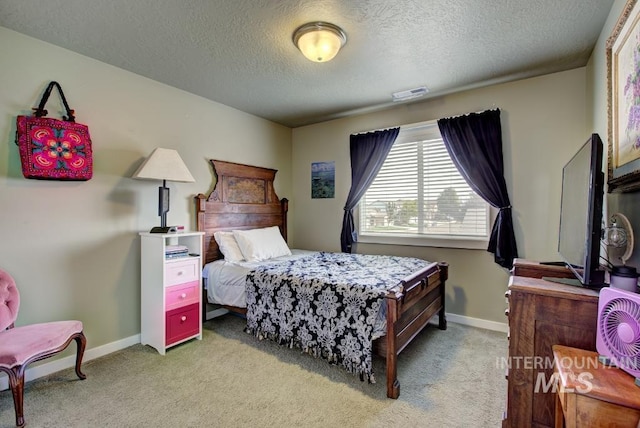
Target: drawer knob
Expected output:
[180,272]
[183,296]
[183,318]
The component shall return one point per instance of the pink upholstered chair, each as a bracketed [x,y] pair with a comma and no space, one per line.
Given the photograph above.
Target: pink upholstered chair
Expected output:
[20,346]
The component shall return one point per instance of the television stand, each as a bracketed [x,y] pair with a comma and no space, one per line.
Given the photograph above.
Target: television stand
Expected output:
[542,314]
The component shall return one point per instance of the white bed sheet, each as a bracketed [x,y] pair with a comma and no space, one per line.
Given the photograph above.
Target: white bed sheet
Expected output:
[225,281]
[225,284]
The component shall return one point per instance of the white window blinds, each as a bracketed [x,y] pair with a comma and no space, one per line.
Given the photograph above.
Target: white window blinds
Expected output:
[419,191]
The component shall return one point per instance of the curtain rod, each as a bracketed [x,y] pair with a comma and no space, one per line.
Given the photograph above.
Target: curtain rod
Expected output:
[376,130]
[473,112]
[426,123]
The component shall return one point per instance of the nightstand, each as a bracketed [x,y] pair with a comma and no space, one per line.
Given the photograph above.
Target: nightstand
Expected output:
[590,394]
[171,288]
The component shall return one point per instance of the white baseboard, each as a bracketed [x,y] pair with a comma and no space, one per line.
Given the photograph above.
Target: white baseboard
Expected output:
[90,354]
[477,322]
[215,313]
[70,361]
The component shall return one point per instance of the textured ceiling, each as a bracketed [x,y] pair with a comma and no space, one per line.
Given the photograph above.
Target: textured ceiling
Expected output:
[240,53]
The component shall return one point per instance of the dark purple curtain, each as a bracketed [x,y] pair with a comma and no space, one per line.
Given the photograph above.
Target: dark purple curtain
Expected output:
[474,142]
[368,152]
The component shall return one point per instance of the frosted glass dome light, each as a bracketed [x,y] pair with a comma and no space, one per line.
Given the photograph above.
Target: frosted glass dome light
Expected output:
[319,41]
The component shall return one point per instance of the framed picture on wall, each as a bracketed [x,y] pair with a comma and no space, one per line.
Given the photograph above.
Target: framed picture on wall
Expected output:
[323,177]
[623,75]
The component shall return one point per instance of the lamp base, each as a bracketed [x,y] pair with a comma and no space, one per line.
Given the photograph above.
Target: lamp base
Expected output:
[160,229]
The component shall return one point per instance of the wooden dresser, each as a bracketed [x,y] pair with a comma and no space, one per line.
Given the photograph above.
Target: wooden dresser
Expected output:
[591,394]
[542,314]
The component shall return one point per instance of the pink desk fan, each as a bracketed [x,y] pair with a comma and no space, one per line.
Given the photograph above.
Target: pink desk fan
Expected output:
[618,334]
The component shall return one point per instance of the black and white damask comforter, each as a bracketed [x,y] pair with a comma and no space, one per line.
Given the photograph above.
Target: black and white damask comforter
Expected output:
[326,304]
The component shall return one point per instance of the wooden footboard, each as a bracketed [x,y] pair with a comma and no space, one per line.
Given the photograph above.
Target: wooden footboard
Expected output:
[410,306]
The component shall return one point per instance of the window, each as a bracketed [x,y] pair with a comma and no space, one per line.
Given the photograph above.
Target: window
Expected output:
[420,198]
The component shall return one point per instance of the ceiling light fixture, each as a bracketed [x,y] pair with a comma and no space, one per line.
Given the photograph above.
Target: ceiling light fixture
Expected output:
[319,41]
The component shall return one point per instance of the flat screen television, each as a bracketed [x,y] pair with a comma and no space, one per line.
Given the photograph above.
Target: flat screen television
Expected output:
[581,213]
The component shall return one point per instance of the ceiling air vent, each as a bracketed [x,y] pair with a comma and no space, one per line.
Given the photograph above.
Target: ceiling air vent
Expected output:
[409,94]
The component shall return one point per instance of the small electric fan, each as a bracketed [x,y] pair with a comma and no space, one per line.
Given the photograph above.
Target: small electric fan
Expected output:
[618,335]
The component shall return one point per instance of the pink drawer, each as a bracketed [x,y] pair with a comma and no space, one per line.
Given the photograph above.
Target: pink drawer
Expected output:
[181,271]
[182,323]
[177,296]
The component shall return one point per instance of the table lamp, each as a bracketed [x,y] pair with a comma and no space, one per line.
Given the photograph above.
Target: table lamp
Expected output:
[165,165]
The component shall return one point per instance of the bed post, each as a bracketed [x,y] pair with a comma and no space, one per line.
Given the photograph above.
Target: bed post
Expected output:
[201,202]
[393,384]
[443,267]
[284,203]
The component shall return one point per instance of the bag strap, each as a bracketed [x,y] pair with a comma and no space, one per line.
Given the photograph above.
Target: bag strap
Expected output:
[40,111]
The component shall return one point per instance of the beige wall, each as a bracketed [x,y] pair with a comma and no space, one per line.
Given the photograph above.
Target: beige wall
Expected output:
[626,203]
[73,248]
[544,123]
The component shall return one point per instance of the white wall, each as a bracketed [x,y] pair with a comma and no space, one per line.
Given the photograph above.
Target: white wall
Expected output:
[544,123]
[73,247]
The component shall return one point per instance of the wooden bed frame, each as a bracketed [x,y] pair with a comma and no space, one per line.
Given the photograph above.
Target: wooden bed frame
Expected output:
[244,198]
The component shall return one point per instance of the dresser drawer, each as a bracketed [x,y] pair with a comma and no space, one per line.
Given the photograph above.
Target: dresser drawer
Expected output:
[182,323]
[180,295]
[181,271]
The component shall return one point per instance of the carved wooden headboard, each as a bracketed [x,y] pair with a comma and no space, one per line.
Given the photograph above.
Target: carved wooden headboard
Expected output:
[243,198]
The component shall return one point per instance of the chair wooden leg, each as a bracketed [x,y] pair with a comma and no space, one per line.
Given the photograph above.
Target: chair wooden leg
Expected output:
[16,383]
[81,340]
[16,374]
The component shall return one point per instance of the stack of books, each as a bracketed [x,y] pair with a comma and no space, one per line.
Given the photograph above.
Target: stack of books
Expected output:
[176,251]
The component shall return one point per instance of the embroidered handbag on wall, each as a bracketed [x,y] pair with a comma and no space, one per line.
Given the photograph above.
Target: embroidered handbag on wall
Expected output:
[52,149]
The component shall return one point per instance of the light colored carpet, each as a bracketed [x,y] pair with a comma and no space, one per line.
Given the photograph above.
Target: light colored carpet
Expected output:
[447,378]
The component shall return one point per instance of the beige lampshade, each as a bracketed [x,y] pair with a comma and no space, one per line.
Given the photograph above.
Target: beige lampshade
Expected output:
[164,164]
[319,41]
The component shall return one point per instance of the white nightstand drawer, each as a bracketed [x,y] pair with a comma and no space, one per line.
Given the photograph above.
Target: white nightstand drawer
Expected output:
[181,271]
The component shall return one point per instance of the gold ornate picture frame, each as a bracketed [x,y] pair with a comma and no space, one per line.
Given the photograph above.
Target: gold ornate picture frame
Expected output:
[623,78]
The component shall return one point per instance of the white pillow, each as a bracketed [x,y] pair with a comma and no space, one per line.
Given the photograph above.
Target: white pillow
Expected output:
[228,246]
[261,244]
